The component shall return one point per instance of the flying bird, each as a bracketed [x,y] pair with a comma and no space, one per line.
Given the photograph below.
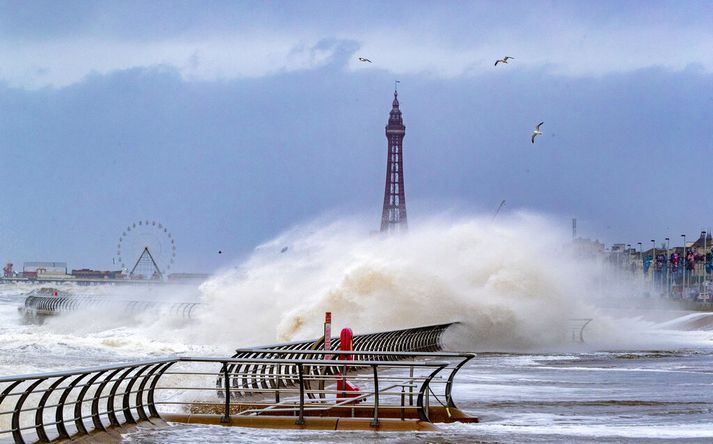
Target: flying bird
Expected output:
[284,249]
[537,132]
[362,59]
[503,60]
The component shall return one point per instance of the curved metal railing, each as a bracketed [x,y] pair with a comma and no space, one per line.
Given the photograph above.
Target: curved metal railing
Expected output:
[61,405]
[49,305]
[382,383]
[411,340]
[576,328]
[55,405]
[268,376]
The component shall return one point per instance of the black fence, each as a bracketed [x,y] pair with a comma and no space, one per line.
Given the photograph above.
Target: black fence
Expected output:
[38,306]
[63,405]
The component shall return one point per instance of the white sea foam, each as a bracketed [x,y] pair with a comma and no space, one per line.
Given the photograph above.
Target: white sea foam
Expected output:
[576,429]
[86,337]
[513,285]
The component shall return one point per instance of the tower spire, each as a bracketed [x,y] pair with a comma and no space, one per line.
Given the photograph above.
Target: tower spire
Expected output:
[393,215]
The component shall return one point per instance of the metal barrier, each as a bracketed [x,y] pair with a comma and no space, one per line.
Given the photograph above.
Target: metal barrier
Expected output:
[36,306]
[426,339]
[66,401]
[267,377]
[383,383]
[577,326]
[410,340]
[62,405]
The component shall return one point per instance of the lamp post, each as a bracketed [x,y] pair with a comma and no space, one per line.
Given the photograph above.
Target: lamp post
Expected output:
[683,283]
[668,271]
[653,262]
[705,245]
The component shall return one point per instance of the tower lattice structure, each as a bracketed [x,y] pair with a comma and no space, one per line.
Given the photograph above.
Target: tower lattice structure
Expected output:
[393,216]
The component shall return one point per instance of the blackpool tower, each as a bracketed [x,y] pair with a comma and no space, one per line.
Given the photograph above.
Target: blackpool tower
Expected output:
[393,216]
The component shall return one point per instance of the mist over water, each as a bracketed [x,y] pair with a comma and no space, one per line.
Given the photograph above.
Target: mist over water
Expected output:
[90,336]
[514,285]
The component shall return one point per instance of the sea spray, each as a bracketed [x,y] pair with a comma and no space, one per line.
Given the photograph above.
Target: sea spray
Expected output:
[513,284]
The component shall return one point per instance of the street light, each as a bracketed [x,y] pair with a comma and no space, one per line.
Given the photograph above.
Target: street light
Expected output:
[705,245]
[641,257]
[668,271]
[683,286]
[653,262]
[705,241]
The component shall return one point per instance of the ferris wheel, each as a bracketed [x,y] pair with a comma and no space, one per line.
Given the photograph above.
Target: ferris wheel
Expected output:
[146,250]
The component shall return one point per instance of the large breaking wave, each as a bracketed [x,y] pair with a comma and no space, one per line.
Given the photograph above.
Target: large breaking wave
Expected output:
[513,285]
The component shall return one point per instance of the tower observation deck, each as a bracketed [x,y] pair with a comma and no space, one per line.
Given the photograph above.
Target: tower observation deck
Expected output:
[393,216]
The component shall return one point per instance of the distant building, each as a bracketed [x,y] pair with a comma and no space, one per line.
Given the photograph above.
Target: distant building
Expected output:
[703,244]
[587,247]
[51,270]
[86,273]
[618,248]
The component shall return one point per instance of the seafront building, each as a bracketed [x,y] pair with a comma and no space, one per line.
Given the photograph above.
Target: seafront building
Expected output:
[679,272]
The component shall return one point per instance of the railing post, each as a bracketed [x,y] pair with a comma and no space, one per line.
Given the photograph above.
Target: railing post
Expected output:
[403,402]
[344,381]
[449,384]
[78,403]
[110,405]
[427,402]
[149,392]
[59,413]
[410,388]
[422,402]
[301,418]
[39,413]
[96,398]
[375,421]
[17,411]
[126,401]
[152,388]
[226,416]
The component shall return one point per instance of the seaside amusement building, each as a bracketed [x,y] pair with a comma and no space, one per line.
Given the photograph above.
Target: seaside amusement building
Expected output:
[393,216]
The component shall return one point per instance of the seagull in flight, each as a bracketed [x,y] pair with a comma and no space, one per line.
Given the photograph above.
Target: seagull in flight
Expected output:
[503,60]
[537,132]
[362,59]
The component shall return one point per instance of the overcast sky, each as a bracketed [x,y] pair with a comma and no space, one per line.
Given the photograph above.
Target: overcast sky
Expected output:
[230,122]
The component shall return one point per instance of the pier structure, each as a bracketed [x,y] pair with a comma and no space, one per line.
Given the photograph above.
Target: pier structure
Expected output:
[393,215]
